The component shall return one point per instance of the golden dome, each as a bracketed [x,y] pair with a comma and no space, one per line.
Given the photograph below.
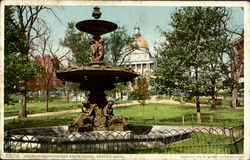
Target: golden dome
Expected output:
[138,41]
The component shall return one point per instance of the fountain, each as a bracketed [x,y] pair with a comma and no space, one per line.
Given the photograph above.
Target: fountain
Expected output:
[97,78]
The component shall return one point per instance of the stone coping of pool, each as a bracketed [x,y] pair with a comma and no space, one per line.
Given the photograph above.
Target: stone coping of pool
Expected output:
[63,130]
[137,136]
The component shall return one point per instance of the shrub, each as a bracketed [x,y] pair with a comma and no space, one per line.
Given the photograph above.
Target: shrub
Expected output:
[133,96]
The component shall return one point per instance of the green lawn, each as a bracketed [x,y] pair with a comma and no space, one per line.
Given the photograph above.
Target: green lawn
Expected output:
[39,107]
[171,111]
[223,102]
[163,114]
[154,114]
[46,121]
[200,143]
[122,101]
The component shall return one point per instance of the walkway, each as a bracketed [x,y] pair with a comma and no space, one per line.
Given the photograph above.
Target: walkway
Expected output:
[152,100]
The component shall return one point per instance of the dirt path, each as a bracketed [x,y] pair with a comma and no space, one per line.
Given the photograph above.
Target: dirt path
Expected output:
[152,100]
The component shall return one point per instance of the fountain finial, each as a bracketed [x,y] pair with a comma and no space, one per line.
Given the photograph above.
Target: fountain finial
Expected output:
[96,13]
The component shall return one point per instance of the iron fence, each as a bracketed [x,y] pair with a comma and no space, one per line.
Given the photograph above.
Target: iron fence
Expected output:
[188,140]
[208,120]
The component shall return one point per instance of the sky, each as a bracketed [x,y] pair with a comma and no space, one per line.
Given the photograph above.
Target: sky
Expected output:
[147,18]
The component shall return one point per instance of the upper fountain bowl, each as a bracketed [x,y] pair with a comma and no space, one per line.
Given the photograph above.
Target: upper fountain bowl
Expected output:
[96,27]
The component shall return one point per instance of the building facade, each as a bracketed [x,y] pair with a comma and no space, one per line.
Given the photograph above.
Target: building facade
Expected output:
[137,55]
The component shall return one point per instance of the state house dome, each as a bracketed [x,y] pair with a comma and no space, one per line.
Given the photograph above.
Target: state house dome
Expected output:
[139,42]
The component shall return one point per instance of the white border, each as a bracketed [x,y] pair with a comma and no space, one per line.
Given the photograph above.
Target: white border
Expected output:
[246,154]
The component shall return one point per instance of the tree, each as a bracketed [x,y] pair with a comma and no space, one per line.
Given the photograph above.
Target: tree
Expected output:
[74,87]
[119,88]
[48,80]
[115,43]
[78,43]
[141,90]
[49,63]
[192,54]
[16,68]
[31,28]
[236,56]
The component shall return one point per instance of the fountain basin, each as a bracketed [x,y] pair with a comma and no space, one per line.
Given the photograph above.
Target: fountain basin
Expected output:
[96,27]
[101,78]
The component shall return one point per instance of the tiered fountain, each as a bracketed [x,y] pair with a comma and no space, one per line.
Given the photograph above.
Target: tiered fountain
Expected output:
[97,78]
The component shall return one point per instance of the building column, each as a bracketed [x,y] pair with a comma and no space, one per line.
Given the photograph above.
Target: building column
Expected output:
[136,67]
[141,68]
[148,66]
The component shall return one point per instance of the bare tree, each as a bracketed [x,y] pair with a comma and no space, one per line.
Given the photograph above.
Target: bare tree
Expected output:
[31,28]
[50,63]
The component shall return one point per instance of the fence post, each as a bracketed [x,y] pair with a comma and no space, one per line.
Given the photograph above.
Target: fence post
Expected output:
[231,132]
[183,120]
[192,120]
[233,139]
[154,120]
[211,120]
[8,143]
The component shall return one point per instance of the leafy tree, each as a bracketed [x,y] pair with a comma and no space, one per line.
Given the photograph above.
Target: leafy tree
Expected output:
[191,59]
[115,43]
[74,87]
[119,88]
[78,43]
[16,67]
[141,90]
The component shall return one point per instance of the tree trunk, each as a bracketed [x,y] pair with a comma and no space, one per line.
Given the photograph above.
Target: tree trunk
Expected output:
[121,96]
[22,111]
[213,95]
[46,101]
[197,98]
[181,99]
[198,109]
[234,95]
[67,91]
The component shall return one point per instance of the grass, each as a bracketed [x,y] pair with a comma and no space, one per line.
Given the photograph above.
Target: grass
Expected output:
[200,143]
[154,114]
[122,101]
[46,121]
[162,114]
[171,111]
[39,107]
[223,102]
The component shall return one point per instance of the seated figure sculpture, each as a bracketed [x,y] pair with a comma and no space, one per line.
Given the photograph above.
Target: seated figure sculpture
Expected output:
[112,120]
[99,120]
[85,118]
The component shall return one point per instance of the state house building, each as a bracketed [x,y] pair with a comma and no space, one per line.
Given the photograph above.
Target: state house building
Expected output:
[140,59]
